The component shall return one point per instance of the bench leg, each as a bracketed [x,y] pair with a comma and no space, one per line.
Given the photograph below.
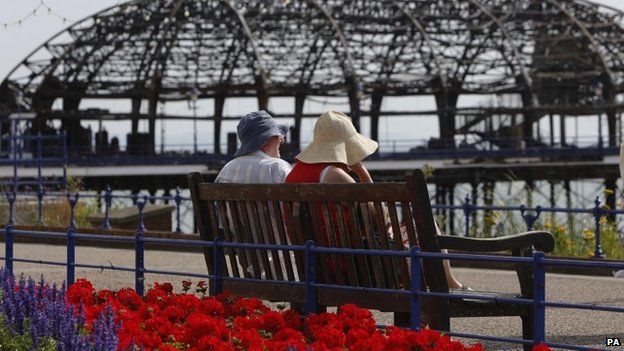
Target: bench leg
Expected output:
[402,319]
[527,330]
[300,307]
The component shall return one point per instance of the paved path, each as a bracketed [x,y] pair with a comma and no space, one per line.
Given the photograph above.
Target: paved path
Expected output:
[587,328]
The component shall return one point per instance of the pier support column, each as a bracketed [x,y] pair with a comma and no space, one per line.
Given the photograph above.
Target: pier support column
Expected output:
[566,188]
[355,93]
[475,198]
[488,200]
[375,112]
[295,136]
[451,213]
[136,112]
[219,103]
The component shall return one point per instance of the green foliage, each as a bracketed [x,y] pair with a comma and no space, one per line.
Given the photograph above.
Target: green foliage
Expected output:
[11,342]
[570,243]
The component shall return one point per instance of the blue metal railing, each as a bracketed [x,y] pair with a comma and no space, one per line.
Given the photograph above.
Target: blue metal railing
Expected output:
[529,215]
[311,251]
[108,197]
[18,146]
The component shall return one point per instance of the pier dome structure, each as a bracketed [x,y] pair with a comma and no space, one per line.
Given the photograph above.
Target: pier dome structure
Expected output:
[534,59]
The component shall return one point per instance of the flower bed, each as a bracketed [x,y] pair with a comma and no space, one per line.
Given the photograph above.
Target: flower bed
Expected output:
[86,319]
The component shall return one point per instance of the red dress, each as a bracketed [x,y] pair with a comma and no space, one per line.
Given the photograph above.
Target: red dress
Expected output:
[310,172]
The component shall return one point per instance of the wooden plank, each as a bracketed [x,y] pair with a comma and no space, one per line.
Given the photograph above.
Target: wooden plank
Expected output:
[214,224]
[335,262]
[258,237]
[229,237]
[360,192]
[322,260]
[370,238]
[266,221]
[243,233]
[292,215]
[347,242]
[281,235]
[195,180]
[358,239]
[398,245]
[380,223]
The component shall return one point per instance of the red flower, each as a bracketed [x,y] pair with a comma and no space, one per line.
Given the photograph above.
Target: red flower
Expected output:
[541,347]
[167,321]
[81,291]
[129,299]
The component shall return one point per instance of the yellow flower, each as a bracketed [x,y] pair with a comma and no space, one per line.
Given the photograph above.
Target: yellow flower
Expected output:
[609,191]
[547,225]
[560,229]
[603,220]
[588,234]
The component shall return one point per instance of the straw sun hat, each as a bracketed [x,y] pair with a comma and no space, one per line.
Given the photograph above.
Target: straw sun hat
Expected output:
[336,140]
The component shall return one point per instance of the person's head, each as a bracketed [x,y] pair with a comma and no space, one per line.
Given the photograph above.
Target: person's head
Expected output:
[335,140]
[259,131]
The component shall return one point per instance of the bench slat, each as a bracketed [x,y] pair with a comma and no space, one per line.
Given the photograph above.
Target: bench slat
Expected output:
[289,263]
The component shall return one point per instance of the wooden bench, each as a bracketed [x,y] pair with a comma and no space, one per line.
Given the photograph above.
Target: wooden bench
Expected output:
[349,215]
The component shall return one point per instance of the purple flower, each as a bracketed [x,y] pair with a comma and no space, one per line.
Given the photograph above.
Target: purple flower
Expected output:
[42,312]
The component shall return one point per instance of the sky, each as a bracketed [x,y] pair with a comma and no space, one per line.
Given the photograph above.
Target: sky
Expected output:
[18,40]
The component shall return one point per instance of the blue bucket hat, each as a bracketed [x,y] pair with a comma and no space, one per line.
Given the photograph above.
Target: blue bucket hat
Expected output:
[254,129]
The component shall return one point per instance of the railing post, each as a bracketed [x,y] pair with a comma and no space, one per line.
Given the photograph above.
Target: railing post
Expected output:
[598,213]
[310,278]
[139,253]
[8,246]
[467,212]
[71,240]
[108,197]
[530,219]
[178,200]
[217,283]
[40,194]
[11,196]
[415,284]
[539,297]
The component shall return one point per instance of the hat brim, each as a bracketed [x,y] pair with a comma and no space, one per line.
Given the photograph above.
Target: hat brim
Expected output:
[349,152]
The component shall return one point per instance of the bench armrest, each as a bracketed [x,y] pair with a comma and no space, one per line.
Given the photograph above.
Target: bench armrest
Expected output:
[542,241]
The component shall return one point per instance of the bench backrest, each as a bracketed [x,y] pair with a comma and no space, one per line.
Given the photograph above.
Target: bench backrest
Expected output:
[333,215]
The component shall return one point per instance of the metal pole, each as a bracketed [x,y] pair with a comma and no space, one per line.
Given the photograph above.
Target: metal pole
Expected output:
[217,283]
[178,200]
[8,247]
[467,211]
[139,254]
[310,278]
[108,197]
[415,284]
[539,297]
[71,240]
[598,212]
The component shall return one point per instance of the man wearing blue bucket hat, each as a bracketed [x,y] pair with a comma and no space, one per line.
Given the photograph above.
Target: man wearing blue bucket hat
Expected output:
[257,160]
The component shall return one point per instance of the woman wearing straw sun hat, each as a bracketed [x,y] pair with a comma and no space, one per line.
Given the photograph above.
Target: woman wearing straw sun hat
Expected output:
[336,149]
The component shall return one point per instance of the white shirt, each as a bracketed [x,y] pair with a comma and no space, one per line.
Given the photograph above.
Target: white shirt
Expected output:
[253,168]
